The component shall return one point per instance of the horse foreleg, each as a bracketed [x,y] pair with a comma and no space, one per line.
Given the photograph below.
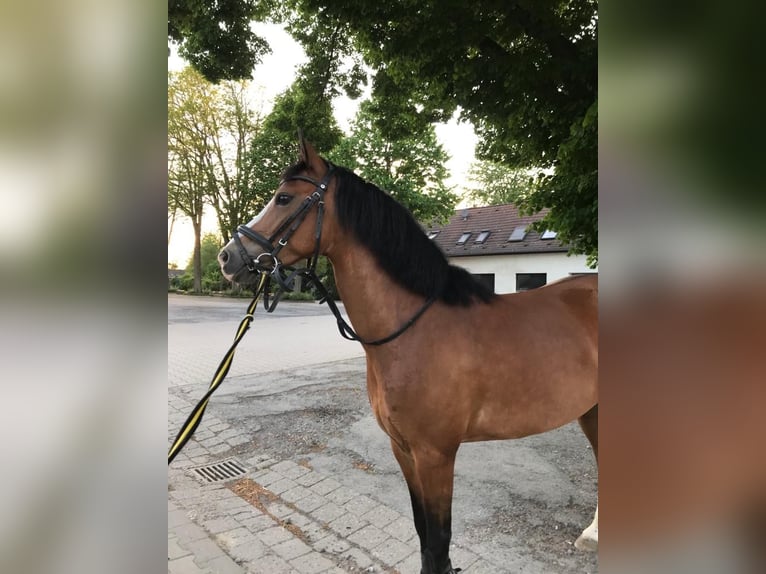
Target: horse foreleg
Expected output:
[407,464]
[588,540]
[435,473]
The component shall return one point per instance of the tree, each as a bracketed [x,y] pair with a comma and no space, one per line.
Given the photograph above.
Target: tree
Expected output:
[212,278]
[209,133]
[411,168]
[216,38]
[231,164]
[524,73]
[188,176]
[496,184]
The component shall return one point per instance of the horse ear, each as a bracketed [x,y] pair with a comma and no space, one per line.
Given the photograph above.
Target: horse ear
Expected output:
[302,143]
[308,154]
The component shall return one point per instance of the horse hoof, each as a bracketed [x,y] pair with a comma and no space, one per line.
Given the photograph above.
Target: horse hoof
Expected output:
[587,542]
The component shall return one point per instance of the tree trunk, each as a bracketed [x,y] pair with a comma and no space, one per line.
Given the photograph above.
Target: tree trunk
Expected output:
[197,256]
[172,222]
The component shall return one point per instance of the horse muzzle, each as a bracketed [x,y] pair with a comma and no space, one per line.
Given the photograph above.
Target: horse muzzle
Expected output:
[243,266]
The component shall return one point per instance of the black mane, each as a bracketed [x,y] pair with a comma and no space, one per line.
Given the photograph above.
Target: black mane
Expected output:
[399,245]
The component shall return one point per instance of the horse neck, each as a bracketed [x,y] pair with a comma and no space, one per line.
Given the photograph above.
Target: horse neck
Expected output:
[376,304]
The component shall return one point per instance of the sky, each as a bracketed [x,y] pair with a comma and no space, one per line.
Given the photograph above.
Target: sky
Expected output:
[272,77]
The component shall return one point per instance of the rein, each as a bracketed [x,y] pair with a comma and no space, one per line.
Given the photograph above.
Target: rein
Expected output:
[194,418]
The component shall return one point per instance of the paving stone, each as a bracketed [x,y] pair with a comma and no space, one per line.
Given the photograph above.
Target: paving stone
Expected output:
[292,548]
[331,544]
[393,551]
[309,479]
[229,433]
[217,525]
[260,462]
[247,513]
[402,529]
[177,518]
[220,449]
[279,510]
[313,531]
[481,567]
[234,504]
[359,557]
[238,440]
[328,512]
[412,563]
[224,565]
[269,478]
[185,565]
[175,550]
[341,495]
[258,473]
[232,538]
[310,502]
[299,520]
[258,523]
[205,550]
[461,557]
[289,469]
[274,535]
[312,563]
[347,524]
[296,493]
[189,533]
[381,516]
[248,551]
[281,486]
[360,505]
[368,537]
[325,486]
[184,494]
[204,459]
[269,564]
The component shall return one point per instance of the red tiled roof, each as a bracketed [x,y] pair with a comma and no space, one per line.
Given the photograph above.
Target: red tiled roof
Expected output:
[500,221]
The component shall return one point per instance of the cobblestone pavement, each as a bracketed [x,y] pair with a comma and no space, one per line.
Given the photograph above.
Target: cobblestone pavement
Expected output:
[282,514]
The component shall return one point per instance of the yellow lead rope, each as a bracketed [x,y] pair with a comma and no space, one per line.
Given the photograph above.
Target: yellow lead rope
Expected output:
[188,428]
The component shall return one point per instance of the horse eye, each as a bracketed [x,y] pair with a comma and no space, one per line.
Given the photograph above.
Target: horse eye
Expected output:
[284,199]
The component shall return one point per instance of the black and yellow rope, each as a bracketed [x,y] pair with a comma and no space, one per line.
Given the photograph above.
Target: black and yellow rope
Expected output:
[194,418]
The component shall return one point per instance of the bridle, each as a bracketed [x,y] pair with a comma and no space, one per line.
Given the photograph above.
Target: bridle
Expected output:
[285,276]
[289,226]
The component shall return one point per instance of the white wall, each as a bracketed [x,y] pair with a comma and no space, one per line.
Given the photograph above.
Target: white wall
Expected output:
[505,267]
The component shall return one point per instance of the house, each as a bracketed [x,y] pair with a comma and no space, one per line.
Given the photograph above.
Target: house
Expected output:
[498,247]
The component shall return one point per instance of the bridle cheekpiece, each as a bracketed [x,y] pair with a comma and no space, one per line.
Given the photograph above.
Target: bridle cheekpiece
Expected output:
[268,261]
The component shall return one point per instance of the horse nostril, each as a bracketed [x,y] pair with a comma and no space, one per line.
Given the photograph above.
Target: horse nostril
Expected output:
[223,256]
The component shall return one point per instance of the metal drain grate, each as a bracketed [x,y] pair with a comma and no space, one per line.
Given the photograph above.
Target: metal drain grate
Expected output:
[224,470]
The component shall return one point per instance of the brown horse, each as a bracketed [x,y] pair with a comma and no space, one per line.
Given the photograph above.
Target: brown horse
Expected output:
[472,366]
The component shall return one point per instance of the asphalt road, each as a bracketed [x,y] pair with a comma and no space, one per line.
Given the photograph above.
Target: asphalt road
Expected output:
[298,389]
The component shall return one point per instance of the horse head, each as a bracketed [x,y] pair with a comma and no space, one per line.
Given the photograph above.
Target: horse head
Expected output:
[291,227]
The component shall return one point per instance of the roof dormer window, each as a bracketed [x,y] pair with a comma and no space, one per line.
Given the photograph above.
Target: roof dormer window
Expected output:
[482,236]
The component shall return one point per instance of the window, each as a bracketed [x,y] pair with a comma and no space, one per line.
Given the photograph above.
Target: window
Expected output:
[463,238]
[483,236]
[548,234]
[486,279]
[527,281]
[518,233]
[432,234]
